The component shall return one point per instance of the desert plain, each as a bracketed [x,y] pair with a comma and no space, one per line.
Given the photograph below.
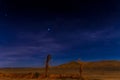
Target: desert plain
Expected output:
[96,70]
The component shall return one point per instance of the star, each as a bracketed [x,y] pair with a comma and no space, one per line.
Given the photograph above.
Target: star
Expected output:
[49,29]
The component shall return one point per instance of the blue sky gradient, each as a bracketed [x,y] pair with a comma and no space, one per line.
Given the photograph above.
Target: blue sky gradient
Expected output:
[86,30]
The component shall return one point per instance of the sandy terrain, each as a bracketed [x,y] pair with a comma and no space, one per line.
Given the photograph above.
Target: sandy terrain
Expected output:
[105,70]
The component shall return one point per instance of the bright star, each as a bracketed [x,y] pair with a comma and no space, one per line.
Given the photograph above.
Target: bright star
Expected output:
[49,29]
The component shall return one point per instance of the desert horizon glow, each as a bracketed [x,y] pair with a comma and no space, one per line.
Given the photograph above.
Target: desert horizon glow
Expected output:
[29,30]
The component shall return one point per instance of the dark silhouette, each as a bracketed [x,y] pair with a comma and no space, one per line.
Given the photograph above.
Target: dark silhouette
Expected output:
[47,65]
[80,69]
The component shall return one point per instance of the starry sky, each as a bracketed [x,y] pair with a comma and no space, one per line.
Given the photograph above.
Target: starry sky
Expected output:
[68,30]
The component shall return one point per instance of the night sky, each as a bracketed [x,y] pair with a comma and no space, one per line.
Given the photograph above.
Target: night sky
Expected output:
[68,30]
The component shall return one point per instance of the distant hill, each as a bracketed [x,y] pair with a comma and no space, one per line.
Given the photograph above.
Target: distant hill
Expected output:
[97,65]
[73,66]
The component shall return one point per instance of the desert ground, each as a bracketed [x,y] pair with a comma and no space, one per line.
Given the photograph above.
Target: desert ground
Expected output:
[101,70]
